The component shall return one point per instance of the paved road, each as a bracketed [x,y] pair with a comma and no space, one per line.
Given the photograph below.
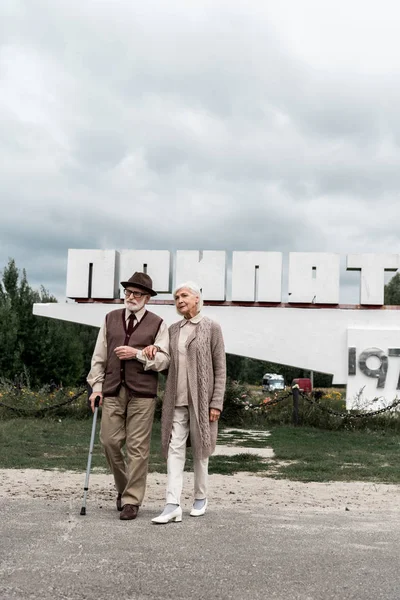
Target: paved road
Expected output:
[48,551]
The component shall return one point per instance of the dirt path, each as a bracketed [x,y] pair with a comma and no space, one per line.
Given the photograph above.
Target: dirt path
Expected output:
[242,489]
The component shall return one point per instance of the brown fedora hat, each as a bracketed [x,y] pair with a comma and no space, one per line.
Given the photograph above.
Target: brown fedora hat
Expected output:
[142,281]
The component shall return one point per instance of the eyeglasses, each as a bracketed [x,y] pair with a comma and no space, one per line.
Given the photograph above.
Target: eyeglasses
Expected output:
[128,294]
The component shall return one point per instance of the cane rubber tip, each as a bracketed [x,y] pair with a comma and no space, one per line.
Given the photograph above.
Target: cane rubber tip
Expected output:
[83,510]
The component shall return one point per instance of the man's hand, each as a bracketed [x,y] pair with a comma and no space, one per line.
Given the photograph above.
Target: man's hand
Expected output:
[93,397]
[125,352]
[214,414]
[150,351]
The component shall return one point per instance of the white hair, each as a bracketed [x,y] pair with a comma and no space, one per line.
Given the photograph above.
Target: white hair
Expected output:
[193,287]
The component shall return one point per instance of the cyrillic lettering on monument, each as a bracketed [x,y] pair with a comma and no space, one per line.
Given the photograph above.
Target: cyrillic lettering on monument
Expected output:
[207,268]
[372,268]
[257,276]
[157,263]
[92,274]
[314,277]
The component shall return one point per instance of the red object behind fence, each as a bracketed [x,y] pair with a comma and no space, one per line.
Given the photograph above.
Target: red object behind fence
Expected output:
[304,384]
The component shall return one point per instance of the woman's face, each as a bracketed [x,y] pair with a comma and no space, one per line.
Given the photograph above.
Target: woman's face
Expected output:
[186,302]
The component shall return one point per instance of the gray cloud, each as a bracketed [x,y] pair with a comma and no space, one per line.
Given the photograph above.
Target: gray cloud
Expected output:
[159,126]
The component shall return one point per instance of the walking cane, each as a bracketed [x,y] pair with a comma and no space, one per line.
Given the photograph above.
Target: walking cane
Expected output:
[86,488]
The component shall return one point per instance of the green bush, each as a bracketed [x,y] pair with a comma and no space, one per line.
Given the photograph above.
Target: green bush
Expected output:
[236,404]
[322,409]
[21,400]
[243,407]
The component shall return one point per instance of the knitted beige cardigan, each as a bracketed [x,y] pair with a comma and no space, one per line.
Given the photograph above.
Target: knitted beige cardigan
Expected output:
[206,368]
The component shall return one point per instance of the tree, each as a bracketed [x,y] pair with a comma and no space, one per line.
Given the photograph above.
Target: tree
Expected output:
[251,371]
[392,291]
[39,349]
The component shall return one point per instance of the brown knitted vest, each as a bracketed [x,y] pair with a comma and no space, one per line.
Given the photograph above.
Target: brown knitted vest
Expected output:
[130,373]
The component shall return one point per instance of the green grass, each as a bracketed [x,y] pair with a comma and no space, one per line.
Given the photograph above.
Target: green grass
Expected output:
[240,437]
[301,453]
[28,443]
[54,444]
[317,455]
[229,465]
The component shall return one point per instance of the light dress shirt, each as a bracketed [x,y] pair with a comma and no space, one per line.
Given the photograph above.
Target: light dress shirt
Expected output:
[99,360]
[186,328]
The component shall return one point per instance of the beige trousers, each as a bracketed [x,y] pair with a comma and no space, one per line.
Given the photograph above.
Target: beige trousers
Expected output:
[128,420]
[177,456]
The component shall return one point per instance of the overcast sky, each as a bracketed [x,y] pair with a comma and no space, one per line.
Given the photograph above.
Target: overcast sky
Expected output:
[209,125]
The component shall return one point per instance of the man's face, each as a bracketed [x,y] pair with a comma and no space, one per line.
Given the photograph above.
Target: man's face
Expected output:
[135,298]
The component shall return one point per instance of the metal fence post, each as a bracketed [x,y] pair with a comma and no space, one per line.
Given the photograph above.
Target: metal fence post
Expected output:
[295,414]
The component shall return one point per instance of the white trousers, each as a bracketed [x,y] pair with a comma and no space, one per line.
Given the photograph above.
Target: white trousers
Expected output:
[177,456]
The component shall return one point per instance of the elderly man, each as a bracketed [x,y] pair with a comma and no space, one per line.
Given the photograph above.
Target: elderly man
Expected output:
[126,381]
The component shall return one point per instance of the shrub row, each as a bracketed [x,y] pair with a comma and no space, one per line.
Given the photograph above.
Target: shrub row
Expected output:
[243,407]
[249,408]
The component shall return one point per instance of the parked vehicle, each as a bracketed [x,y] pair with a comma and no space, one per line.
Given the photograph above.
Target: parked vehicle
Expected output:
[304,384]
[272,382]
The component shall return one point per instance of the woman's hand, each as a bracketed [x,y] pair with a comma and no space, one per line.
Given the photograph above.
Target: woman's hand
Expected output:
[214,414]
[150,351]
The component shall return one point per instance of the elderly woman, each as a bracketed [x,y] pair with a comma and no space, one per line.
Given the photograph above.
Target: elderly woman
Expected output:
[193,400]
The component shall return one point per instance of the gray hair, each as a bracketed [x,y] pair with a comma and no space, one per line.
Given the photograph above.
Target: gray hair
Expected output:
[193,287]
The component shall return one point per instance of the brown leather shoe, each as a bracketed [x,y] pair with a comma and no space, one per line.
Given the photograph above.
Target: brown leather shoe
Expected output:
[129,511]
[119,502]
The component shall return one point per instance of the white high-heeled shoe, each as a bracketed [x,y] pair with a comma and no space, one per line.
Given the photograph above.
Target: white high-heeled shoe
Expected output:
[174,516]
[198,512]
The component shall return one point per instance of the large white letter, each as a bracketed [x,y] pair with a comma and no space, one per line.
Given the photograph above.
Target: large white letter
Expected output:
[314,277]
[207,269]
[257,276]
[156,263]
[372,267]
[91,274]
